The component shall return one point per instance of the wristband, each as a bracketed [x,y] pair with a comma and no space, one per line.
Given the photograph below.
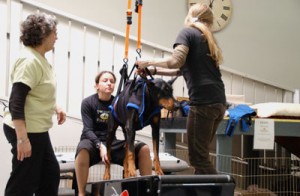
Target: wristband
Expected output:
[21,141]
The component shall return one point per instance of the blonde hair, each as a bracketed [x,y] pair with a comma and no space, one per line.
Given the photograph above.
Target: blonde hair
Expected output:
[201,17]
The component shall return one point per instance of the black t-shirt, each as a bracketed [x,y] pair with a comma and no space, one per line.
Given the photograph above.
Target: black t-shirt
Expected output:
[202,76]
[95,114]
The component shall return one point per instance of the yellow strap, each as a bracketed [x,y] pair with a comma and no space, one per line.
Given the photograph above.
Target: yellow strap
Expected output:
[139,26]
[129,22]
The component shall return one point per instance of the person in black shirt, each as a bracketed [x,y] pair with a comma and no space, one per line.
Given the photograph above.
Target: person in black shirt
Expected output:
[197,57]
[92,146]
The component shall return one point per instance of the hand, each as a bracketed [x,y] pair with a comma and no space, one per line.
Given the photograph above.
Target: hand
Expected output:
[103,154]
[144,73]
[24,149]
[61,116]
[142,64]
[141,72]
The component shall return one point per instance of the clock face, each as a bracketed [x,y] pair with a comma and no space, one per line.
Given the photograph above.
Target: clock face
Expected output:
[222,12]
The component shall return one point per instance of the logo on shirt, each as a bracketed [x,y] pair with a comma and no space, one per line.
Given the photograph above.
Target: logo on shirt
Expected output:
[102,116]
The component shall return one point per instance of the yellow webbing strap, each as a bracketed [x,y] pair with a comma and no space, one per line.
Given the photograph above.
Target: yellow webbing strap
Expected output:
[129,22]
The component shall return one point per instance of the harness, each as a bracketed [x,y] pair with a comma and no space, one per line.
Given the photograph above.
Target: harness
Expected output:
[140,99]
[240,112]
[134,94]
[124,69]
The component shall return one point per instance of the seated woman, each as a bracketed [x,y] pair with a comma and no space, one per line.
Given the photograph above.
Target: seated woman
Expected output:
[91,148]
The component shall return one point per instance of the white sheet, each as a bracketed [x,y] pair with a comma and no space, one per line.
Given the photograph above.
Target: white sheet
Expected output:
[276,109]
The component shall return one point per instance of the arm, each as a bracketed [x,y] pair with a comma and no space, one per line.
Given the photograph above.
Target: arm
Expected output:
[87,114]
[176,61]
[88,123]
[16,107]
[164,71]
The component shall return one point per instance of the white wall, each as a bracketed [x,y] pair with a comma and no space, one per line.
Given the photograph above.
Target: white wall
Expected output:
[261,40]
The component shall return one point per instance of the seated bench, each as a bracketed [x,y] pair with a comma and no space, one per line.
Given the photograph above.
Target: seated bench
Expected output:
[67,167]
[66,160]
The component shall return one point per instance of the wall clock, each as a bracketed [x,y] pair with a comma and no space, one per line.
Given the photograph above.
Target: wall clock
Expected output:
[222,10]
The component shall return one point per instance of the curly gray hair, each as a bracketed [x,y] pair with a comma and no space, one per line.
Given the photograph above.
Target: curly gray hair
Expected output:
[36,27]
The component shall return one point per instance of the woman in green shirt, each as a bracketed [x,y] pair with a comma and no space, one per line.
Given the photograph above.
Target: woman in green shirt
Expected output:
[32,103]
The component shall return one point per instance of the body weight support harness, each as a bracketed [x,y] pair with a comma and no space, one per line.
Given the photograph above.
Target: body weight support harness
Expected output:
[133,95]
[124,69]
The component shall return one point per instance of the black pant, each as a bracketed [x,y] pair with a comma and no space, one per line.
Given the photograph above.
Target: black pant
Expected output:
[38,174]
[202,124]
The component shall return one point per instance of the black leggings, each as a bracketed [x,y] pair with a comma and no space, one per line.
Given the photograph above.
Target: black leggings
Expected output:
[38,174]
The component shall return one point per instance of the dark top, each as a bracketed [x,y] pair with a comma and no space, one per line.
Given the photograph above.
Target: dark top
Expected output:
[202,76]
[95,113]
